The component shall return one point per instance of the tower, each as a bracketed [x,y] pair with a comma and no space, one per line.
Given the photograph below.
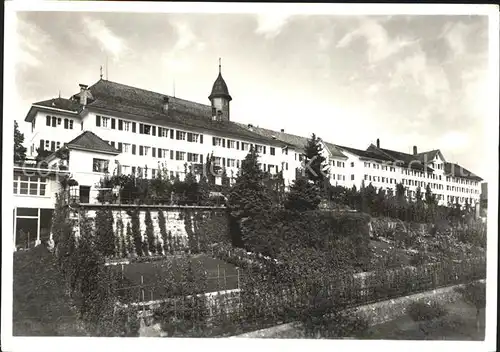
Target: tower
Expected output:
[220,98]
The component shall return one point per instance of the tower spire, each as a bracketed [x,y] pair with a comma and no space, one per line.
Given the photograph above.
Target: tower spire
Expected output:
[220,65]
[100,71]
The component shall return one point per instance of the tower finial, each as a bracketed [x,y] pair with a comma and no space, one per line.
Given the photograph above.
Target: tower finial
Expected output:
[219,65]
[100,71]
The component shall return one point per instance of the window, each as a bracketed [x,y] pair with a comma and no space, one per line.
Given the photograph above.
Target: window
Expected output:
[54,121]
[231,144]
[126,126]
[32,185]
[192,157]
[58,144]
[66,123]
[259,148]
[352,177]
[181,136]
[217,141]
[162,132]
[180,155]
[231,162]
[126,147]
[272,151]
[245,146]
[105,122]
[47,120]
[113,124]
[125,169]
[146,151]
[217,161]
[100,165]
[146,129]
[192,137]
[352,164]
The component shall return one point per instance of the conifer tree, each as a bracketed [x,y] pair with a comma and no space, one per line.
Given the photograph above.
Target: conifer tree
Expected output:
[303,195]
[19,149]
[315,163]
[150,236]
[248,198]
[203,190]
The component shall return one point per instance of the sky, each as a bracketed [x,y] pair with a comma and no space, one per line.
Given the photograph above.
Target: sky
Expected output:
[405,79]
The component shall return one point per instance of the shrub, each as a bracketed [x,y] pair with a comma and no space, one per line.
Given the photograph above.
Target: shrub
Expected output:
[136,232]
[335,325]
[421,311]
[150,236]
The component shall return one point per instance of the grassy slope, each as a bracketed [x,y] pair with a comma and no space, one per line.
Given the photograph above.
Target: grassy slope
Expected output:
[40,306]
[150,272]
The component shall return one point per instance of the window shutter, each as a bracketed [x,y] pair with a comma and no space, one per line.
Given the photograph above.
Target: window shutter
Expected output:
[120,146]
[141,128]
[141,150]
[223,143]
[237,145]
[120,125]
[133,127]
[171,134]
[42,145]
[171,155]
[52,145]
[154,152]
[224,162]
[112,144]
[47,120]
[237,163]
[201,139]
[201,158]
[264,149]
[153,131]
[189,137]
[98,121]
[159,153]
[113,124]
[213,140]
[133,149]
[66,124]
[177,135]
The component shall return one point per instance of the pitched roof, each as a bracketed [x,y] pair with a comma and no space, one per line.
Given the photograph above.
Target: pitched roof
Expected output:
[219,89]
[112,96]
[297,142]
[452,169]
[61,103]
[368,154]
[70,105]
[429,156]
[402,159]
[90,141]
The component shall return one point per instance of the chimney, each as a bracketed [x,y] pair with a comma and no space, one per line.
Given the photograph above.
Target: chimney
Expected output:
[83,94]
[415,150]
[378,143]
[282,130]
[165,104]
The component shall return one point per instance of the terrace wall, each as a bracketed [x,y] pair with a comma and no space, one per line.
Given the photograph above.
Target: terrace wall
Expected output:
[177,218]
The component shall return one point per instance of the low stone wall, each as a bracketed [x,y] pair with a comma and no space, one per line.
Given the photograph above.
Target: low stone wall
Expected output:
[376,313]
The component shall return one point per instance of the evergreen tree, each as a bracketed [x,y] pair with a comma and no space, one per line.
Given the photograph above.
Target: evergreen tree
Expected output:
[104,232]
[248,198]
[210,169]
[150,236]
[203,190]
[19,149]
[419,205]
[430,201]
[130,240]
[191,188]
[315,163]
[136,232]
[40,158]
[380,203]
[303,195]
[226,183]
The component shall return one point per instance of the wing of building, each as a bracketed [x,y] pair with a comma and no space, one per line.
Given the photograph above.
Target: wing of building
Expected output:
[109,127]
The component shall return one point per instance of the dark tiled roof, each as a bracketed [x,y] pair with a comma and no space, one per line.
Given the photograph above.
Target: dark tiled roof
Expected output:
[456,170]
[118,97]
[90,141]
[402,159]
[219,89]
[365,153]
[298,142]
[61,103]
[428,156]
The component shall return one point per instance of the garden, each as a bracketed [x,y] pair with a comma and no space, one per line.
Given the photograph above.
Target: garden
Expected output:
[268,257]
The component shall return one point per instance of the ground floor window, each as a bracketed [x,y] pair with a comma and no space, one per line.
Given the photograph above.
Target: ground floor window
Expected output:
[31,226]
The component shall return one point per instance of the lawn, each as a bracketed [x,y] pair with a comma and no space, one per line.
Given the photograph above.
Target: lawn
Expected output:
[458,324]
[40,305]
[220,276]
